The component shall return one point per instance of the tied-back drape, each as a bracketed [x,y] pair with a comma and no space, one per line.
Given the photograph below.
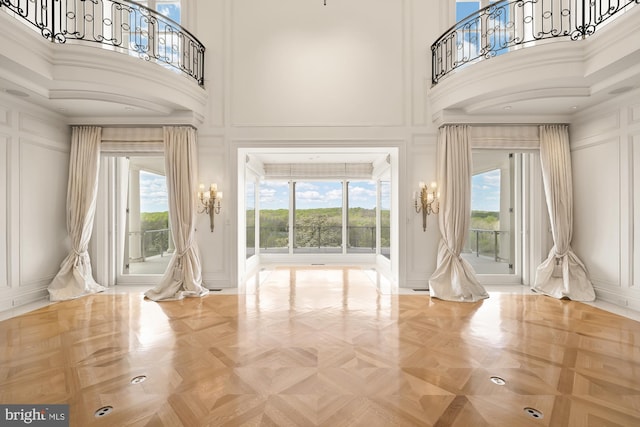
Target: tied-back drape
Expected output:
[562,274]
[454,278]
[183,277]
[75,277]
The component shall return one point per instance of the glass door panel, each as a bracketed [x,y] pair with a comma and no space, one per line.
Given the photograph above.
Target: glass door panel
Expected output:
[149,242]
[490,243]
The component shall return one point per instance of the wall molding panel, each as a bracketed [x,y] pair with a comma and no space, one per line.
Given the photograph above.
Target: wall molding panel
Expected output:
[4,225]
[634,206]
[634,114]
[343,77]
[606,165]
[34,158]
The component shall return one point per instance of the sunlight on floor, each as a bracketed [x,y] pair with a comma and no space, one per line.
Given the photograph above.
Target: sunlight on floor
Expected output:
[379,282]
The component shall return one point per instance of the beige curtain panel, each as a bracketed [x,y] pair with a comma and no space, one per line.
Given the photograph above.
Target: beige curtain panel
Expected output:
[454,278]
[183,277]
[562,274]
[75,277]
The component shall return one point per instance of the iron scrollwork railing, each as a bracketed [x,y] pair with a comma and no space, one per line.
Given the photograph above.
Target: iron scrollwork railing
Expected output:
[507,24]
[122,25]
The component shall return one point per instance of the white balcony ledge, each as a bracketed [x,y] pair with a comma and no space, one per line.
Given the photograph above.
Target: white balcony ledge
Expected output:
[546,83]
[90,84]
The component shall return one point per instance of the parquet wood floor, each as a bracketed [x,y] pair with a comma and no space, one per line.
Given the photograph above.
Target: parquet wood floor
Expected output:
[322,347]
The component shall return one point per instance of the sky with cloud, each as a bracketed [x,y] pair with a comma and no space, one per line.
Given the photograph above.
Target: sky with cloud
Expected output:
[317,194]
[485,193]
[153,192]
[170,9]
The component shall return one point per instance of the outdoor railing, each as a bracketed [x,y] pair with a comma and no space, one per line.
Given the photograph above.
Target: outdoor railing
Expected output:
[485,243]
[507,24]
[121,25]
[152,242]
[322,236]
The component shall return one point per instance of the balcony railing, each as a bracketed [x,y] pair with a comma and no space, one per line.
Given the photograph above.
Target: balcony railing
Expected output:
[122,25]
[150,242]
[361,239]
[485,243]
[509,24]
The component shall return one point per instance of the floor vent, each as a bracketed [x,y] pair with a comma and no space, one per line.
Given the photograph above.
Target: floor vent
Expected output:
[498,380]
[139,379]
[533,413]
[105,410]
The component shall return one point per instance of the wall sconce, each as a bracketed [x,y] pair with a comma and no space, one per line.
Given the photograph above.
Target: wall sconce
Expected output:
[210,201]
[427,201]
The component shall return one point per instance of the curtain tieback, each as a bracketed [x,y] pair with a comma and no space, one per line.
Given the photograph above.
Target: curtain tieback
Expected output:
[80,253]
[453,254]
[559,255]
[82,258]
[183,253]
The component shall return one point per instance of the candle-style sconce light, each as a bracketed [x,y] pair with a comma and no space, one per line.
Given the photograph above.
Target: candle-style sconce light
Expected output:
[210,201]
[426,201]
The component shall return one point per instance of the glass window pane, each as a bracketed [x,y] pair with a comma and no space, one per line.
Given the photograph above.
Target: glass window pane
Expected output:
[150,242]
[361,227]
[318,217]
[274,217]
[170,9]
[385,218]
[250,207]
[466,8]
[489,246]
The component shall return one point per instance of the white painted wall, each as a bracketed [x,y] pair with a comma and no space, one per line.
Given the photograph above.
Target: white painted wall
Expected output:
[605,150]
[34,158]
[289,73]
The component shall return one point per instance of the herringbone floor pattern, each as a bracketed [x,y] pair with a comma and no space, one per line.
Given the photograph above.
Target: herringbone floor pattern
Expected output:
[322,347]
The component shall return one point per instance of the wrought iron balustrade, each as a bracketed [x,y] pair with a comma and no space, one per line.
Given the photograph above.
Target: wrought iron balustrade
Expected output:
[121,25]
[509,24]
[327,236]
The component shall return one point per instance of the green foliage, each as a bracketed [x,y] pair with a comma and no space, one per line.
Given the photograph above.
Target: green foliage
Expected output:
[274,228]
[321,227]
[154,243]
[318,227]
[485,220]
[154,220]
[484,241]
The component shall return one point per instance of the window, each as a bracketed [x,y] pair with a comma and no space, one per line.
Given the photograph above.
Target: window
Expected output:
[309,216]
[317,217]
[250,208]
[274,216]
[385,218]
[169,8]
[148,242]
[489,33]
[491,242]
[361,216]
[155,38]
